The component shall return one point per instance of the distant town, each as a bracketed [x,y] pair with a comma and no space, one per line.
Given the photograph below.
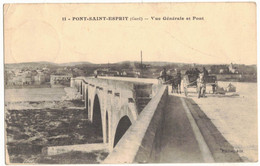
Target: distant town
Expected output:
[46,74]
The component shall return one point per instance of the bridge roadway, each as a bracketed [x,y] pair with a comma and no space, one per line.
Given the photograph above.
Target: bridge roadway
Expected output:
[182,141]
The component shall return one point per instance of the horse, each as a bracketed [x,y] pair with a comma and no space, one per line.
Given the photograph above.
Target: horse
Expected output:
[176,84]
[163,78]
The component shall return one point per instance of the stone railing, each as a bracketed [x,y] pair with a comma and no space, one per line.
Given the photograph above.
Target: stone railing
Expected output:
[141,142]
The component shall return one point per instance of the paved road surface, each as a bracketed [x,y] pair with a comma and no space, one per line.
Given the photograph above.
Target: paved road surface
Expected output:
[179,142]
[190,136]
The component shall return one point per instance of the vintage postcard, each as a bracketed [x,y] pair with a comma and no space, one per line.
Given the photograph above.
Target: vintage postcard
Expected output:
[130,83]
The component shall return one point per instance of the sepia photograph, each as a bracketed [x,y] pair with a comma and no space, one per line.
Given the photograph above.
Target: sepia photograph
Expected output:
[130,83]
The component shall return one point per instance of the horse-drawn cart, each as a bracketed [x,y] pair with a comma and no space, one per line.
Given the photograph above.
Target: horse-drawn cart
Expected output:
[173,80]
[189,81]
[192,81]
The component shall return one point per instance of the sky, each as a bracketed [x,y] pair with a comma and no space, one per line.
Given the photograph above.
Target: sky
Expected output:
[36,32]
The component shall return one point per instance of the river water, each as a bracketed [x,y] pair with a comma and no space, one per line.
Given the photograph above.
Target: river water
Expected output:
[34,94]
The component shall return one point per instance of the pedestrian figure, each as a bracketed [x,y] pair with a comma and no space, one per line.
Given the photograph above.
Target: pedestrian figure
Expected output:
[176,82]
[197,72]
[206,73]
[201,85]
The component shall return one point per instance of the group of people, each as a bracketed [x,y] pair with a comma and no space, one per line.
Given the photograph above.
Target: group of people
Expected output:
[175,80]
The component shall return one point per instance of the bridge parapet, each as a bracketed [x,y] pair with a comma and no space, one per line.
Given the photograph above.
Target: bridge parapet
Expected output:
[137,92]
[141,141]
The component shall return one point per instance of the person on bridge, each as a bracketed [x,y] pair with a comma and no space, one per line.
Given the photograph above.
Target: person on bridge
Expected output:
[178,81]
[201,85]
[197,72]
[206,73]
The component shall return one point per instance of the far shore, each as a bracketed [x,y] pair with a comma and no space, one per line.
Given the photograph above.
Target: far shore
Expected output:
[34,86]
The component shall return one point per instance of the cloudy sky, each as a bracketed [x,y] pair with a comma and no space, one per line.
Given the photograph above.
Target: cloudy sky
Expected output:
[36,32]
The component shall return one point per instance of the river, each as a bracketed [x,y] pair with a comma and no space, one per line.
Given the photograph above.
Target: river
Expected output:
[34,94]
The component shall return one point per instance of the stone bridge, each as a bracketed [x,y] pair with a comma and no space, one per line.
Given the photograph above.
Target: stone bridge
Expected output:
[138,121]
[113,104]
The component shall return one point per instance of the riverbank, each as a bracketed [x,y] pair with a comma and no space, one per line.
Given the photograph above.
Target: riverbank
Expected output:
[40,117]
[29,131]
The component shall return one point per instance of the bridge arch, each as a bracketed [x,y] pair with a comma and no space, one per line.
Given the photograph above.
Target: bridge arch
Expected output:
[123,112]
[123,124]
[97,117]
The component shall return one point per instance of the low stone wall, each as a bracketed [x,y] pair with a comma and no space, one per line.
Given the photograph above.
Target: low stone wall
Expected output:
[142,140]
